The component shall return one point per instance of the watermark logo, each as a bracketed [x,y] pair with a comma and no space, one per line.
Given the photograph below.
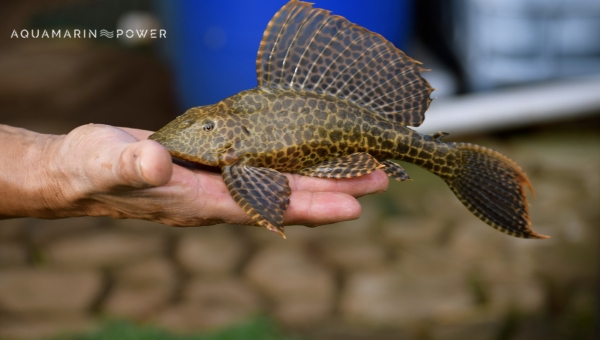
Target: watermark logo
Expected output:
[107,34]
[153,33]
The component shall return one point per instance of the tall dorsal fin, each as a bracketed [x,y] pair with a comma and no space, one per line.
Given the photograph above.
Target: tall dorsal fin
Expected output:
[308,49]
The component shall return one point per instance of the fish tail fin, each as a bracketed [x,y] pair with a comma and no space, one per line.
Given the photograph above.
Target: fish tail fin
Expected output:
[492,187]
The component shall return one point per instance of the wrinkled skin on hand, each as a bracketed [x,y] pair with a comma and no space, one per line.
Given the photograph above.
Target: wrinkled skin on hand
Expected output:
[102,170]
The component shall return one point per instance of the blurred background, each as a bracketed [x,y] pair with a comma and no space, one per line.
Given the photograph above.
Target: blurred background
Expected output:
[520,76]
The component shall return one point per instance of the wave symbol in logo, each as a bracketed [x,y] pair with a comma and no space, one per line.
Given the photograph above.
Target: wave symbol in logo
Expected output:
[108,34]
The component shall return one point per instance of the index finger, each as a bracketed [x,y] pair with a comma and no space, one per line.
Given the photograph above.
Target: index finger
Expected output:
[375,182]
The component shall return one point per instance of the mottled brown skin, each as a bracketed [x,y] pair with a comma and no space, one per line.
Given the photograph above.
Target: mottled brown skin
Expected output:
[283,131]
[335,100]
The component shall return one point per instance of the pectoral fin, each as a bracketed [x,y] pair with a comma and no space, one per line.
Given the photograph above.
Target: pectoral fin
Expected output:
[264,194]
[395,171]
[354,165]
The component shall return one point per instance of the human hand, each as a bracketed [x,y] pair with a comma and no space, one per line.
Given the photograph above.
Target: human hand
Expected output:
[107,171]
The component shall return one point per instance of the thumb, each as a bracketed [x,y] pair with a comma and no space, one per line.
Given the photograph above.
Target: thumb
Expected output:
[144,164]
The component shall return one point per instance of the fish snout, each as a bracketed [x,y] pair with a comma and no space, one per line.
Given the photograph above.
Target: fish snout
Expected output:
[194,155]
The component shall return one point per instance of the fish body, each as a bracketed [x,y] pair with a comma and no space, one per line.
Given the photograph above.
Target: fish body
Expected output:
[335,101]
[288,132]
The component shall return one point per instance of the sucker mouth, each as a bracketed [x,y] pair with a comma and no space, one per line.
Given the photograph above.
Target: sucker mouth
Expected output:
[192,159]
[194,165]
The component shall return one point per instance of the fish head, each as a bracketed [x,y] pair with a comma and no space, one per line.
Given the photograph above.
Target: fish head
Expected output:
[199,135]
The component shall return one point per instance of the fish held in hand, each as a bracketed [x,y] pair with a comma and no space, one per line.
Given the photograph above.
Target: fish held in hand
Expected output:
[335,100]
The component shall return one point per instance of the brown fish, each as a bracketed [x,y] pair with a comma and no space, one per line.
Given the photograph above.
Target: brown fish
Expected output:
[334,101]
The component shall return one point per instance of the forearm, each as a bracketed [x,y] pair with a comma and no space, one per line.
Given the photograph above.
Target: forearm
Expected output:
[30,182]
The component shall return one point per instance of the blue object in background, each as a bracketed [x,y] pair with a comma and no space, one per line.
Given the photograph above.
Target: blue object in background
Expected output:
[212,45]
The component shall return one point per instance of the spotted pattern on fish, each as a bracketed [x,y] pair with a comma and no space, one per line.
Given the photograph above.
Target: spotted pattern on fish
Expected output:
[308,49]
[271,189]
[336,101]
[395,170]
[354,165]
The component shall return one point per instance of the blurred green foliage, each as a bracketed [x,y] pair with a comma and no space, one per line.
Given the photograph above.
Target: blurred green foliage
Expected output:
[259,329]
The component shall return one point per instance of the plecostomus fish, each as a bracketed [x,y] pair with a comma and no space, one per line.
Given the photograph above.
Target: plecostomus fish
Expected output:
[335,100]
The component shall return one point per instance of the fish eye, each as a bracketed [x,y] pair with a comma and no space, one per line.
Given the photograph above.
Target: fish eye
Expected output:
[208,126]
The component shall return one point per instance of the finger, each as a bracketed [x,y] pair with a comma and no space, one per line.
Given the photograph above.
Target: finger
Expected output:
[144,164]
[318,208]
[306,208]
[137,133]
[372,183]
